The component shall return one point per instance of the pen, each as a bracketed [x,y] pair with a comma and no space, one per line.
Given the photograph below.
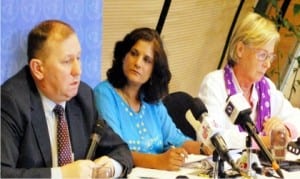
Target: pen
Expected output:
[181,154]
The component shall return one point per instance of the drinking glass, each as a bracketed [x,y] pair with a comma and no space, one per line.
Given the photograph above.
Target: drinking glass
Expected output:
[279,140]
[102,172]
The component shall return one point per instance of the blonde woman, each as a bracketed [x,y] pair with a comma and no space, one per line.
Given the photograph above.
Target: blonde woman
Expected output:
[251,52]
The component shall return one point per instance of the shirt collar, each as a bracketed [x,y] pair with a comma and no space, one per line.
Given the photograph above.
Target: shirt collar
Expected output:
[49,104]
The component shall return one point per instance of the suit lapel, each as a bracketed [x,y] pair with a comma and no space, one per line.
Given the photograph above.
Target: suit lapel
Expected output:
[40,128]
[77,129]
[75,126]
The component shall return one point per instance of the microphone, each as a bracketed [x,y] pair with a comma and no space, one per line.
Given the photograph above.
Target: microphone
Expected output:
[198,107]
[238,110]
[210,137]
[294,147]
[95,138]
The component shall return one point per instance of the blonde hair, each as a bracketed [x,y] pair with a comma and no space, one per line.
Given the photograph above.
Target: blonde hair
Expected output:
[253,30]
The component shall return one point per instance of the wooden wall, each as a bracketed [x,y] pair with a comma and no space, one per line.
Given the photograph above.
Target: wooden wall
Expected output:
[194,34]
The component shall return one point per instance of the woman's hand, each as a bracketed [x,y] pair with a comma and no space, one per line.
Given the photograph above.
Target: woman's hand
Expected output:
[271,124]
[172,159]
[206,150]
[194,147]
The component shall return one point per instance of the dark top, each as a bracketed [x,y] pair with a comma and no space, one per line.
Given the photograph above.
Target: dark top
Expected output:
[25,142]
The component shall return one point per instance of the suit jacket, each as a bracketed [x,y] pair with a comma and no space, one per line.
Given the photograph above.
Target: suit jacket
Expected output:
[25,142]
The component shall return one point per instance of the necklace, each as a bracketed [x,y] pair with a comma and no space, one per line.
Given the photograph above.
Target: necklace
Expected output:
[135,106]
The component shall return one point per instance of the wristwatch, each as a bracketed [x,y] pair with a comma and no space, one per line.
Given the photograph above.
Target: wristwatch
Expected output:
[202,148]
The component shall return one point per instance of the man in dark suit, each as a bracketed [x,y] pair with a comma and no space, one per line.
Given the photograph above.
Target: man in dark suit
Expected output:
[28,124]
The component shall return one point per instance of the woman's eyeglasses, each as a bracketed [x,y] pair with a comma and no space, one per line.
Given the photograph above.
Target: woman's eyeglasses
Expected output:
[263,55]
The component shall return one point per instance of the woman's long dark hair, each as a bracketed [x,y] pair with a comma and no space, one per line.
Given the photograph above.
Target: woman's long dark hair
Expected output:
[157,86]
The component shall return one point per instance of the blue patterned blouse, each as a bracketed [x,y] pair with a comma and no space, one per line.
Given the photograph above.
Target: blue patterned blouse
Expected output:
[151,130]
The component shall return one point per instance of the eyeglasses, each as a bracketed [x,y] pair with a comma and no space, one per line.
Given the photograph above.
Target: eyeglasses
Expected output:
[262,54]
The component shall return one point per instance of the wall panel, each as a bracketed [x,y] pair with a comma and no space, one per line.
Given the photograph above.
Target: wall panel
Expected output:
[194,34]
[120,17]
[18,17]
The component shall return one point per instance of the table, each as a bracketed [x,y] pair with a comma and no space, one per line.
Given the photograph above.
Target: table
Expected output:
[143,173]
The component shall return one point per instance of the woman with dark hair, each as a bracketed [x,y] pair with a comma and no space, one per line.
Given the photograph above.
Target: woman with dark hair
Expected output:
[130,101]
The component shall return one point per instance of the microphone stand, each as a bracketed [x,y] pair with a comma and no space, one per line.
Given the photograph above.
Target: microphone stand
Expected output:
[249,128]
[219,166]
[248,148]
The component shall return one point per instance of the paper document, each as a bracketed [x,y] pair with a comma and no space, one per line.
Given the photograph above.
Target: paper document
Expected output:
[195,158]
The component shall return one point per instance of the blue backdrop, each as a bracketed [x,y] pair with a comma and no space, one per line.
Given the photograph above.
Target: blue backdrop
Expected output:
[18,17]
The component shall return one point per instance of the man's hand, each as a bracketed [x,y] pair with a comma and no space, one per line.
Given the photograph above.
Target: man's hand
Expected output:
[78,169]
[105,166]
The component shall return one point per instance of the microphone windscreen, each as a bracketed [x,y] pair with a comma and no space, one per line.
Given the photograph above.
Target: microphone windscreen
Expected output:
[99,127]
[198,108]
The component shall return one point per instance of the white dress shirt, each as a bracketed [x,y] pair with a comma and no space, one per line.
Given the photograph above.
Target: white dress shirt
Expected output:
[214,94]
[51,120]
